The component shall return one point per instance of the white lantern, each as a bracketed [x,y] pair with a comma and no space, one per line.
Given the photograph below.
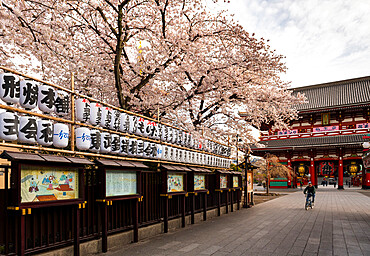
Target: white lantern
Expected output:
[83,138]
[177,155]
[164,136]
[158,134]
[191,141]
[115,145]
[170,153]
[9,123]
[116,120]
[184,138]
[46,98]
[180,137]
[154,150]
[95,113]
[9,88]
[159,150]
[95,140]
[83,110]
[132,147]
[62,104]
[124,141]
[180,155]
[124,122]
[27,129]
[165,152]
[133,124]
[106,142]
[170,134]
[28,94]
[106,117]
[201,159]
[60,135]
[175,134]
[186,156]
[45,132]
[140,147]
[191,157]
[140,126]
[366,144]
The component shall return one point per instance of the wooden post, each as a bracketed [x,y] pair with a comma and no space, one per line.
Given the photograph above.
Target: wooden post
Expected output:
[231,200]
[136,221]
[22,233]
[227,201]
[219,204]
[76,244]
[104,227]
[72,113]
[237,199]
[192,208]
[183,211]
[165,218]
[6,228]
[205,207]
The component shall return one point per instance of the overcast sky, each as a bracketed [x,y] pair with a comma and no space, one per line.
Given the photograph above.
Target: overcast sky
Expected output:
[323,40]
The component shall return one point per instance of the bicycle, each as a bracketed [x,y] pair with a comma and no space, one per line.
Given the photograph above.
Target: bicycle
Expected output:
[308,202]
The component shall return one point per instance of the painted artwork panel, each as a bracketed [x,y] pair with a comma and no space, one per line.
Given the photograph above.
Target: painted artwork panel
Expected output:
[249,182]
[223,181]
[235,181]
[199,182]
[41,184]
[175,182]
[120,183]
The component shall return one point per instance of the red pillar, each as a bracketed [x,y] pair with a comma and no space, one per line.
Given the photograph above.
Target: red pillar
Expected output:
[312,172]
[340,170]
[289,176]
[366,179]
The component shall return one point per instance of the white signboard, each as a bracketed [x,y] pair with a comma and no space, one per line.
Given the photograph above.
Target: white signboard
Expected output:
[120,183]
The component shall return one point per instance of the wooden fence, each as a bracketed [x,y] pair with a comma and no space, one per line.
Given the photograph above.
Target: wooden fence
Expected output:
[50,228]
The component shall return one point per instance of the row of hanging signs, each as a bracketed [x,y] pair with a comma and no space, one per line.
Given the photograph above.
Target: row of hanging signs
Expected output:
[32,130]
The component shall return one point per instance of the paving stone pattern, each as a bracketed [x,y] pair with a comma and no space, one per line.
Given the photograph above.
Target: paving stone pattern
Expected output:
[339,224]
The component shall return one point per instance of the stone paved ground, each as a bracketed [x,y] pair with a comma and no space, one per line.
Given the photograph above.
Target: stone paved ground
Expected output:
[338,225]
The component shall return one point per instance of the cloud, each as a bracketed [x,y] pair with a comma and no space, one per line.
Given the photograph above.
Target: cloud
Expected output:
[323,40]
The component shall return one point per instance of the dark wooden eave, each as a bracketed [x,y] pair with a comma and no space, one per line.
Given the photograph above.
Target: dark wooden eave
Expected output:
[312,142]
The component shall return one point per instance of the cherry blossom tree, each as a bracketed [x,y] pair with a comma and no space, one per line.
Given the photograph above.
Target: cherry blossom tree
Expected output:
[199,69]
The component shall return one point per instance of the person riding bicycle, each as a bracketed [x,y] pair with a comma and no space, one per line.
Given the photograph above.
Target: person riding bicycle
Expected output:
[310,189]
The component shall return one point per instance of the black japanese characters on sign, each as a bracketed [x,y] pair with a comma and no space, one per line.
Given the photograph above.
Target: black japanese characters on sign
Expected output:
[45,132]
[132,149]
[9,126]
[46,98]
[29,129]
[28,94]
[95,141]
[140,147]
[62,105]
[115,143]
[116,120]
[9,88]
[124,145]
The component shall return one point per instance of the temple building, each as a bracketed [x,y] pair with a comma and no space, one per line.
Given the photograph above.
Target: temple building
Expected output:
[325,142]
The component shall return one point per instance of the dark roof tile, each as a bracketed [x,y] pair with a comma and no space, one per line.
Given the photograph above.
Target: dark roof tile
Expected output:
[313,141]
[336,94]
